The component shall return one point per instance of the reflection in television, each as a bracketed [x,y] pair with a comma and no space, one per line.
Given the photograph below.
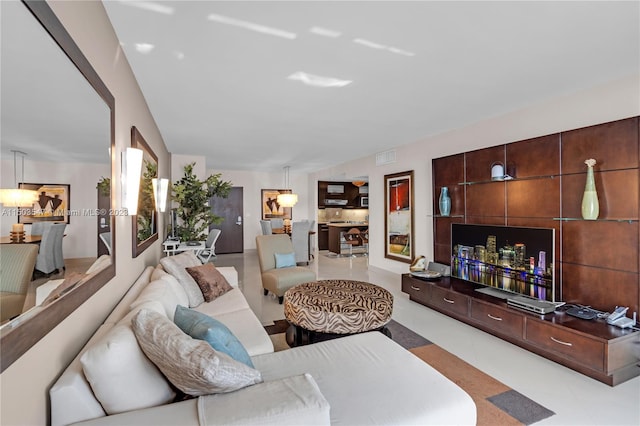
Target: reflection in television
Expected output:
[508,266]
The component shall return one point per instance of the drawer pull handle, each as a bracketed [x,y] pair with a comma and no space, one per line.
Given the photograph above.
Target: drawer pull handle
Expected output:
[561,342]
[448,300]
[415,288]
[494,318]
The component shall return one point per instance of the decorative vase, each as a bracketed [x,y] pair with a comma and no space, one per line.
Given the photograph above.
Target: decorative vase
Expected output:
[445,201]
[590,205]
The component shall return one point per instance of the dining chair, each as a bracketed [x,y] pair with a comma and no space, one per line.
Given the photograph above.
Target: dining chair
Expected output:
[210,246]
[45,262]
[266,227]
[106,239]
[300,241]
[277,224]
[16,263]
[37,228]
[58,254]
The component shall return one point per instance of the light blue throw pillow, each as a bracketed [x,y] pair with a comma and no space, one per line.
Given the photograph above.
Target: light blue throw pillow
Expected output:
[203,327]
[285,260]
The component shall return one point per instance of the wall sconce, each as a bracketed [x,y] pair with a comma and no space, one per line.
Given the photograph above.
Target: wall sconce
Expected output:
[287,200]
[131,171]
[160,187]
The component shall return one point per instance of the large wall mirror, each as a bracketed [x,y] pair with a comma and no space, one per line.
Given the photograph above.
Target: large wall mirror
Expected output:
[56,108]
[145,222]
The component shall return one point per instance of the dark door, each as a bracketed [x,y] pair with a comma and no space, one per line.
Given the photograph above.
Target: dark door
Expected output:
[231,209]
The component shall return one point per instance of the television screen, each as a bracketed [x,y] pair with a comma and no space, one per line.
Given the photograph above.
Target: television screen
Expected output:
[513,259]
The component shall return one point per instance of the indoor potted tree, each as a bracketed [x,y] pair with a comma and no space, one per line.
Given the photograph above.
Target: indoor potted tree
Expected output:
[192,196]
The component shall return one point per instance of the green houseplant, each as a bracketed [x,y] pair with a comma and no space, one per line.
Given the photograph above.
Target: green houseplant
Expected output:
[192,196]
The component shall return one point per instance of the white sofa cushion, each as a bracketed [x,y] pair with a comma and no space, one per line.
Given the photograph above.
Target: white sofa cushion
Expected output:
[191,365]
[368,378]
[247,328]
[290,401]
[121,376]
[176,266]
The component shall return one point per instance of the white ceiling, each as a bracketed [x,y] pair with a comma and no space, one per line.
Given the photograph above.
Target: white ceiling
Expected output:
[222,91]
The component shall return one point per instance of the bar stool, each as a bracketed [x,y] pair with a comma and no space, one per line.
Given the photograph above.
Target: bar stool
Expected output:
[364,240]
[352,237]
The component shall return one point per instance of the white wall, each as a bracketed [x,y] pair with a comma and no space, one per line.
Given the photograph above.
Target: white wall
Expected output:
[81,238]
[602,104]
[252,184]
[24,385]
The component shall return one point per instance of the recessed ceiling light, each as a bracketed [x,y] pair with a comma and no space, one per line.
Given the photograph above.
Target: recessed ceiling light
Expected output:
[144,47]
[179,55]
[369,43]
[374,45]
[151,6]
[251,26]
[325,32]
[318,80]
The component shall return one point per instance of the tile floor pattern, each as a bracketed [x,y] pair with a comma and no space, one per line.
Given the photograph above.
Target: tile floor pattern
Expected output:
[576,399]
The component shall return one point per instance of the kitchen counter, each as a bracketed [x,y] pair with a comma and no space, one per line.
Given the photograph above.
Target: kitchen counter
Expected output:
[349,225]
[336,240]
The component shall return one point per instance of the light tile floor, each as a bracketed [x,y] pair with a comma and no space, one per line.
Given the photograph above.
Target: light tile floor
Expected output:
[576,399]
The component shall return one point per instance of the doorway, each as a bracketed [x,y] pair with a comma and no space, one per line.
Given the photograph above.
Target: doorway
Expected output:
[231,238]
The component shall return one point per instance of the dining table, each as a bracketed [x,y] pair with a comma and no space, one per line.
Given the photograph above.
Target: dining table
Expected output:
[28,239]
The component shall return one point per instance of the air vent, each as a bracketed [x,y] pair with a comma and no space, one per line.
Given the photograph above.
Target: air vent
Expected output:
[386,157]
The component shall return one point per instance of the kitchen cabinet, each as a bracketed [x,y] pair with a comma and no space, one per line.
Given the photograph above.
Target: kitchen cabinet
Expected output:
[339,194]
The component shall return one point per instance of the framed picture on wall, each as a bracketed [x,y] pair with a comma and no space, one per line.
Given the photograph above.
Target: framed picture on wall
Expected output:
[270,207]
[398,226]
[52,204]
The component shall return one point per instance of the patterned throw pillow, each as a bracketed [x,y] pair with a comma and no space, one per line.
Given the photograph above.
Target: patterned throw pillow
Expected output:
[211,282]
[193,366]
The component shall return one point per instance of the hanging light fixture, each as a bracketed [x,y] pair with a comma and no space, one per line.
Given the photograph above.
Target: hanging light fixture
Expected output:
[16,197]
[290,199]
[160,187]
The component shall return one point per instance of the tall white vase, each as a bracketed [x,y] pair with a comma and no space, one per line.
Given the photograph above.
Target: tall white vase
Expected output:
[590,204]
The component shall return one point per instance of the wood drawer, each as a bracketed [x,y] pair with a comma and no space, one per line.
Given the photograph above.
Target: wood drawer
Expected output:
[499,319]
[418,291]
[581,349]
[449,301]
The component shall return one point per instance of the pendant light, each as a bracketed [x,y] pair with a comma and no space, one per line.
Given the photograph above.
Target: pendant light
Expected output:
[16,197]
[290,199]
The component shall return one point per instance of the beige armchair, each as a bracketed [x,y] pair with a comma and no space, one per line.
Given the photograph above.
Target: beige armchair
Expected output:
[279,280]
[16,268]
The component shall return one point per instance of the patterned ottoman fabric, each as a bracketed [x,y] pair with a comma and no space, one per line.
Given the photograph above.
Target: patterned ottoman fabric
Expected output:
[338,306]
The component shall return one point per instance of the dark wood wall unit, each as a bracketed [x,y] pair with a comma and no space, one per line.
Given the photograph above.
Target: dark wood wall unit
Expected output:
[449,172]
[597,261]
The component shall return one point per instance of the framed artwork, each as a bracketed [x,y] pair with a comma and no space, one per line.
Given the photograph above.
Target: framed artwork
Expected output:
[398,226]
[52,204]
[270,207]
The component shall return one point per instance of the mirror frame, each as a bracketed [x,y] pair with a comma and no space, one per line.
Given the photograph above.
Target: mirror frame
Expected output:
[18,336]
[137,141]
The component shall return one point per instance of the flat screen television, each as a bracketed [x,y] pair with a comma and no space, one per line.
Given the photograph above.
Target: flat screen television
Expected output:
[507,258]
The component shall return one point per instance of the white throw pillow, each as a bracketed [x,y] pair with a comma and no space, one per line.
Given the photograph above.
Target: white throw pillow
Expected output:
[193,366]
[167,291]
[121,376]
[176,266]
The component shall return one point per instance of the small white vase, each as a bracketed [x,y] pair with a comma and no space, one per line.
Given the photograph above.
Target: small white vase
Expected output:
[590,204]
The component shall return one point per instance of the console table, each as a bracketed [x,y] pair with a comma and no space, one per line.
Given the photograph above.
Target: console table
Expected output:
[592,347]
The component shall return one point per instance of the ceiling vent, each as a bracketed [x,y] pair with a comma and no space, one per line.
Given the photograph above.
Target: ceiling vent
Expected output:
[386,157]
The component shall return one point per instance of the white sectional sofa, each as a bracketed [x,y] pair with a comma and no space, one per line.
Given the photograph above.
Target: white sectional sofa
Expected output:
[360,379]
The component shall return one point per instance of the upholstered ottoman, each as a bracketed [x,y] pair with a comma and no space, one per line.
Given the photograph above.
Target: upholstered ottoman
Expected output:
[321,310]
